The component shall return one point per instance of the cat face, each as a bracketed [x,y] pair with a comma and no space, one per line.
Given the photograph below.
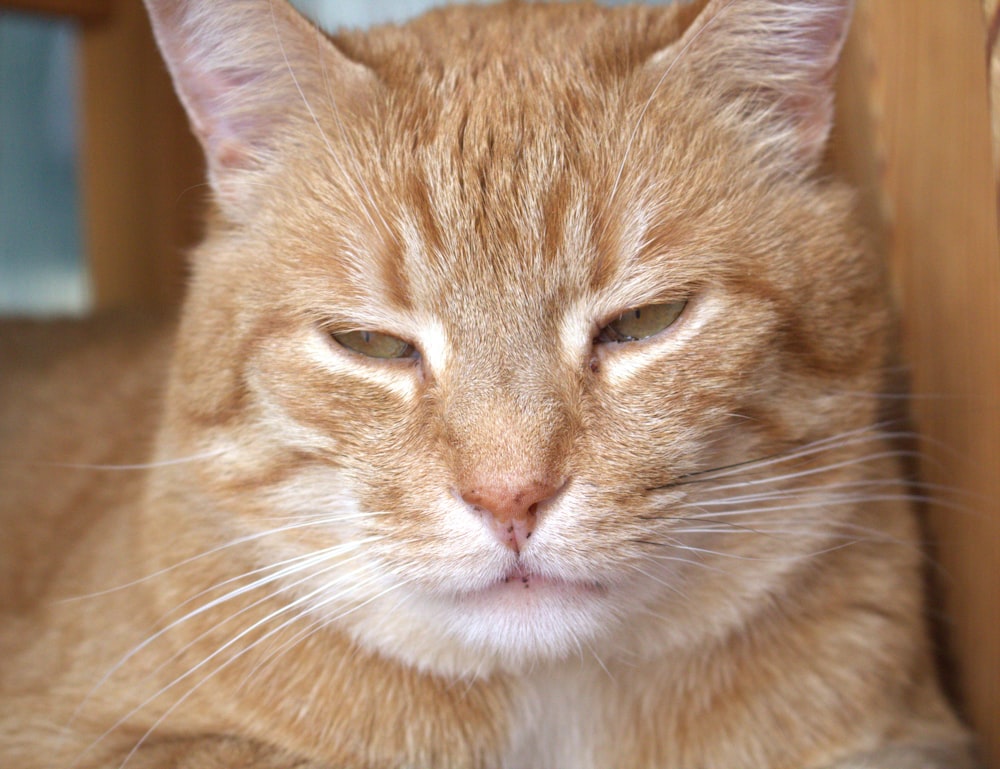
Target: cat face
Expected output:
[498,333]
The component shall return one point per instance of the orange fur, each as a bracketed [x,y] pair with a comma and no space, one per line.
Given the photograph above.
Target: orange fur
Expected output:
[723,571]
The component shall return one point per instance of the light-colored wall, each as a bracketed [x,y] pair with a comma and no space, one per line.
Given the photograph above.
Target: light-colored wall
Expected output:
[41,268]
[332,14]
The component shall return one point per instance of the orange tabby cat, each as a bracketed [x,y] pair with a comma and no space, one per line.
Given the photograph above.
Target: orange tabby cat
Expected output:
[519,417]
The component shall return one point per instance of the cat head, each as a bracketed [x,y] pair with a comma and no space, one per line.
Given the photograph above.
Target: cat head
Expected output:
[483,295]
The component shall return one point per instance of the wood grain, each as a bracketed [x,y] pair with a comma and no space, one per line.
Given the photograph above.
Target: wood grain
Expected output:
[141,169]
[991,12]
[916,136]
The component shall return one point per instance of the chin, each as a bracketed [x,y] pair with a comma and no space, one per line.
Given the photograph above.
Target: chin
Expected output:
[517,623]
[526,620]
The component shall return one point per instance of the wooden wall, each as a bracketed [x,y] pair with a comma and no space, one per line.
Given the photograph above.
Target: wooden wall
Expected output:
[142,178]
[915,135]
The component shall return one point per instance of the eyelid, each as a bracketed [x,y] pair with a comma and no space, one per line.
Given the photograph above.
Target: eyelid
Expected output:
[372,344]
[641,322]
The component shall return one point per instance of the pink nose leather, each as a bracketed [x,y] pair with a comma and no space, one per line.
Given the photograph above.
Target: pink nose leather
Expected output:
[510,513]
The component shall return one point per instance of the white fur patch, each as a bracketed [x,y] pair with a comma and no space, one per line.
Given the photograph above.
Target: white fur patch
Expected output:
[400,380]
[434,343]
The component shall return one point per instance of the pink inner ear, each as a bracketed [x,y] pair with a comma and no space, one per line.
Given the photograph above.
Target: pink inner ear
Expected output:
[827,34]
[812,59]
[229,154]
[227,132]
[812,117]
[807,52]
[244,71]
[221,59]
[784,52]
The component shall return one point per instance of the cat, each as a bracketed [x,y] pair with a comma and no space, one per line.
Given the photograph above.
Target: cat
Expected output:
[519,416]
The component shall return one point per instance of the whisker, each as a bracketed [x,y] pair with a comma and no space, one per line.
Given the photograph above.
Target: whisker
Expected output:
[260,601]
[311,629]
[794,558]
[187,617]
[600,662]
[254,626]
[315,519]
[185,562]
[317,624]
[686,560]
[228,662]
[298,559]
[320,623]
[812,448]
[824,502]
[663,583]
[860,534]
[809,472]
[116,467]
[825,489]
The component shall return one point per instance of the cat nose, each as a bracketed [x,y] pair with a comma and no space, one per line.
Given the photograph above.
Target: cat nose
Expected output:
[511,512]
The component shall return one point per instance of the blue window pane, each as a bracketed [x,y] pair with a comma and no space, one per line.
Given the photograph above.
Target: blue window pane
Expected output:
[332,14]
[41,262]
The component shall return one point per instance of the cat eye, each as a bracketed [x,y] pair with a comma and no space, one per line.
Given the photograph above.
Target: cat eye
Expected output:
[373,344]
[642,322]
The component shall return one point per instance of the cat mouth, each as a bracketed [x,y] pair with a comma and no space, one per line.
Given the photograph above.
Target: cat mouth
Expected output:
[524,578]
[521,578]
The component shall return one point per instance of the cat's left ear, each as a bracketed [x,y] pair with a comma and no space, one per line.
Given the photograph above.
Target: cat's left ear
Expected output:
[774,60]
[253,75]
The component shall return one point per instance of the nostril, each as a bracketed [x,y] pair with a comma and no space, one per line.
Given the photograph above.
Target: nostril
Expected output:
[510,512]
[508,503]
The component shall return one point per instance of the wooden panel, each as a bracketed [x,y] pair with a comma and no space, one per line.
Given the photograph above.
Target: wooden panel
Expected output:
[991,10]
[916,137]
[141,167]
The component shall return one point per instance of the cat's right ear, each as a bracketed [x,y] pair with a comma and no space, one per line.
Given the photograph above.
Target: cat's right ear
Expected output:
[250,72]
[771,63]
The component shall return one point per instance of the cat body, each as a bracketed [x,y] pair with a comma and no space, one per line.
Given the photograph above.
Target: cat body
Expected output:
[520,415]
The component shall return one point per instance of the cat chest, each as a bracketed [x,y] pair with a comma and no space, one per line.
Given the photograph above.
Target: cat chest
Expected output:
[567,720]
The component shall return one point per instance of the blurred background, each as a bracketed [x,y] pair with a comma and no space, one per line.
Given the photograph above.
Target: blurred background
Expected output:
[41,264]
